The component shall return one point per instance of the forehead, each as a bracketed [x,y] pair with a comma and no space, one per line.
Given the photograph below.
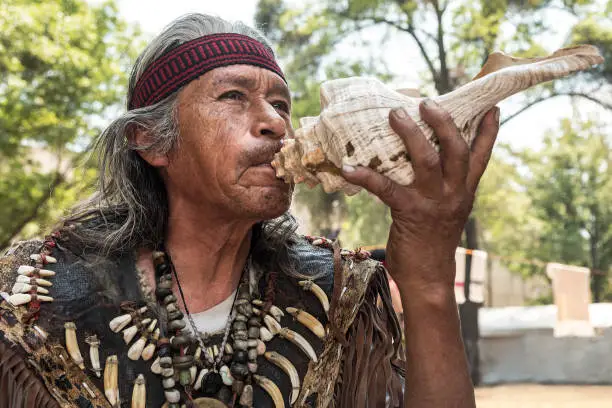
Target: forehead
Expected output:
[245,76]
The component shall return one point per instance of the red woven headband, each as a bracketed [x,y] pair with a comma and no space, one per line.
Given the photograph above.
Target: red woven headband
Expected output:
[190,60]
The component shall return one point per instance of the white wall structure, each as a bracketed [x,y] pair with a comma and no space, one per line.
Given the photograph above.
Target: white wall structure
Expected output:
[507,288]
[518,345]
[478,275]
[572,294]
[460,275]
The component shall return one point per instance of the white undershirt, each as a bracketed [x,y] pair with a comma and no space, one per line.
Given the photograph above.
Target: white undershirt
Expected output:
[215,318]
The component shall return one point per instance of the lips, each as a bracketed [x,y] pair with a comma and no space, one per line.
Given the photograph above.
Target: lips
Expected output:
[267,168]
[265,163]
[261,158]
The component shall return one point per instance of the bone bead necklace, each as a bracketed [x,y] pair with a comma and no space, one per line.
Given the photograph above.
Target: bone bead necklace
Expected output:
[225,373]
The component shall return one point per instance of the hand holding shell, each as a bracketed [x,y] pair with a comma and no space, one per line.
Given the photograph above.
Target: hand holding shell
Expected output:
[353,127]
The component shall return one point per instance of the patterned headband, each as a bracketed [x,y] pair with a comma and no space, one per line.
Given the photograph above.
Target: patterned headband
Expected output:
[188,61]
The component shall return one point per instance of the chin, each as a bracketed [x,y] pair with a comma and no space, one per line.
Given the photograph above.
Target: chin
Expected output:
[271,204]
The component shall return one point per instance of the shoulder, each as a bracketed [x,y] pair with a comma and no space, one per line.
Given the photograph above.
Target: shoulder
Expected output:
[16,255]
[314,260]
[62,281]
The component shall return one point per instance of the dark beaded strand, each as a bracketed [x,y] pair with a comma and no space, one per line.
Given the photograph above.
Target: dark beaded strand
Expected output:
[238,357]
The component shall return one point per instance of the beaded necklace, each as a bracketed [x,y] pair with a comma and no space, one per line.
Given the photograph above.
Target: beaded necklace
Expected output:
[198,336]
[194,371]
[227,375]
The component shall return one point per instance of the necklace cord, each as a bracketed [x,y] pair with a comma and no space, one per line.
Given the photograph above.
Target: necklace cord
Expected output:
[178,284]
[196,332]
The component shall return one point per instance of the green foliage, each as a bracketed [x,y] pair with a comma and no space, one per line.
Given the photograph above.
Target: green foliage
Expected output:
[596,29]
[555,204]
[571,192]
[367,221]
[63,63]
[503,210]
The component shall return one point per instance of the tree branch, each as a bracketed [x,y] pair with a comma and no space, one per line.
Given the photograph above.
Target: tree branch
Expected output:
[410,30]
[570,94]
[443,85]
[428,34]
[407,29]
[59,179]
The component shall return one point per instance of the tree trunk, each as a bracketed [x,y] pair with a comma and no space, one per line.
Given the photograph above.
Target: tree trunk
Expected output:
[468,312]
[597,280]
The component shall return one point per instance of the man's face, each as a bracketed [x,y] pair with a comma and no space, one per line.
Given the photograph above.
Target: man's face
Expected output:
[231,121]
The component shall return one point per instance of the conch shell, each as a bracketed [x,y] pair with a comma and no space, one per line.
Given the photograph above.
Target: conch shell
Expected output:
[353,127]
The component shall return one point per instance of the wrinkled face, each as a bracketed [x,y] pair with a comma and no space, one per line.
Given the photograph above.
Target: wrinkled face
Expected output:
[231,122]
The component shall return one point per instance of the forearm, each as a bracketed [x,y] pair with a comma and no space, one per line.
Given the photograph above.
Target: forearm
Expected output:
[437,374]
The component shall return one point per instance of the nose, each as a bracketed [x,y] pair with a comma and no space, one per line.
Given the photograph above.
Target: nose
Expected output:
[269,122]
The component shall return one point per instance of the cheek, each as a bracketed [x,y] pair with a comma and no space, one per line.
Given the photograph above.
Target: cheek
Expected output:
[204,141]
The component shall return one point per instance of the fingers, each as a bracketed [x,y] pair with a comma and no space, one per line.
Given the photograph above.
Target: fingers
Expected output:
[424,158]
[454,151]
[383,187]
[482,148]
[455,167]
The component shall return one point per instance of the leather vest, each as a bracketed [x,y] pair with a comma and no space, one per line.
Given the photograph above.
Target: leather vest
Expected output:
[89,291]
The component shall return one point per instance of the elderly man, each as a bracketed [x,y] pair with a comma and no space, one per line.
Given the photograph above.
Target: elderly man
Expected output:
[181,282]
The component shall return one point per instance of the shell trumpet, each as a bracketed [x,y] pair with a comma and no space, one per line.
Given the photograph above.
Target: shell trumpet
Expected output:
[353,126]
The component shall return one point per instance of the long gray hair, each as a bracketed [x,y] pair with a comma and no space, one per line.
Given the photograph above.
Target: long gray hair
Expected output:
[130,208]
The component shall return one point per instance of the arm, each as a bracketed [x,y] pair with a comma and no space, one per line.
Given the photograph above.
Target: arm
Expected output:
[428,218]
[437,374]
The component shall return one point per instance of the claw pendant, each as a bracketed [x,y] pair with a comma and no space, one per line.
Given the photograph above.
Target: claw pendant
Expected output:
[272,389]
[94,354]
[308,320]
[72,345]
[139,393]
[299,341]
[317,291]
[111,380]
[289,369]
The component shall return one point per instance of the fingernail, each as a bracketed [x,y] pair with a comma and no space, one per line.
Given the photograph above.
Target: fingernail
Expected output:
[400,113]
[348,169]
[497,114]
[428,103]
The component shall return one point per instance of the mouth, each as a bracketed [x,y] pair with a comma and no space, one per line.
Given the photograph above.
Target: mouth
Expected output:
[267,172]
[264,165]
[261,162]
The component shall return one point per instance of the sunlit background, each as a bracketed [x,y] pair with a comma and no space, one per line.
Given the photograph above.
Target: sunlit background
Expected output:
[546,197]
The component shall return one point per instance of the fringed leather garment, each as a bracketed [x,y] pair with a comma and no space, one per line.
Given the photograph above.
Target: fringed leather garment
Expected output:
[356,366]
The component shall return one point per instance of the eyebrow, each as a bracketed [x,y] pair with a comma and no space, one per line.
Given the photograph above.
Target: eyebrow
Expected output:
[281,89]
[277,88]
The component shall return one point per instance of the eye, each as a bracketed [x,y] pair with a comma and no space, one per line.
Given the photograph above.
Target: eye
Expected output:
[233,95]
[281,106]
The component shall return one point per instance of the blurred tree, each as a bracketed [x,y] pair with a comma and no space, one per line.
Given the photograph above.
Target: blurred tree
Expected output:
[63,63]
[453,38]
[570,189]
[554,204]
[504,210]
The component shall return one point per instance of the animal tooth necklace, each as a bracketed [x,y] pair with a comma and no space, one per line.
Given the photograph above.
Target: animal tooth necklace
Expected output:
[226,375]
[226,330]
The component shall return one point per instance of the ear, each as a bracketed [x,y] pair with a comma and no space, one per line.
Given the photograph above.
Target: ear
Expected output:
[140,139]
